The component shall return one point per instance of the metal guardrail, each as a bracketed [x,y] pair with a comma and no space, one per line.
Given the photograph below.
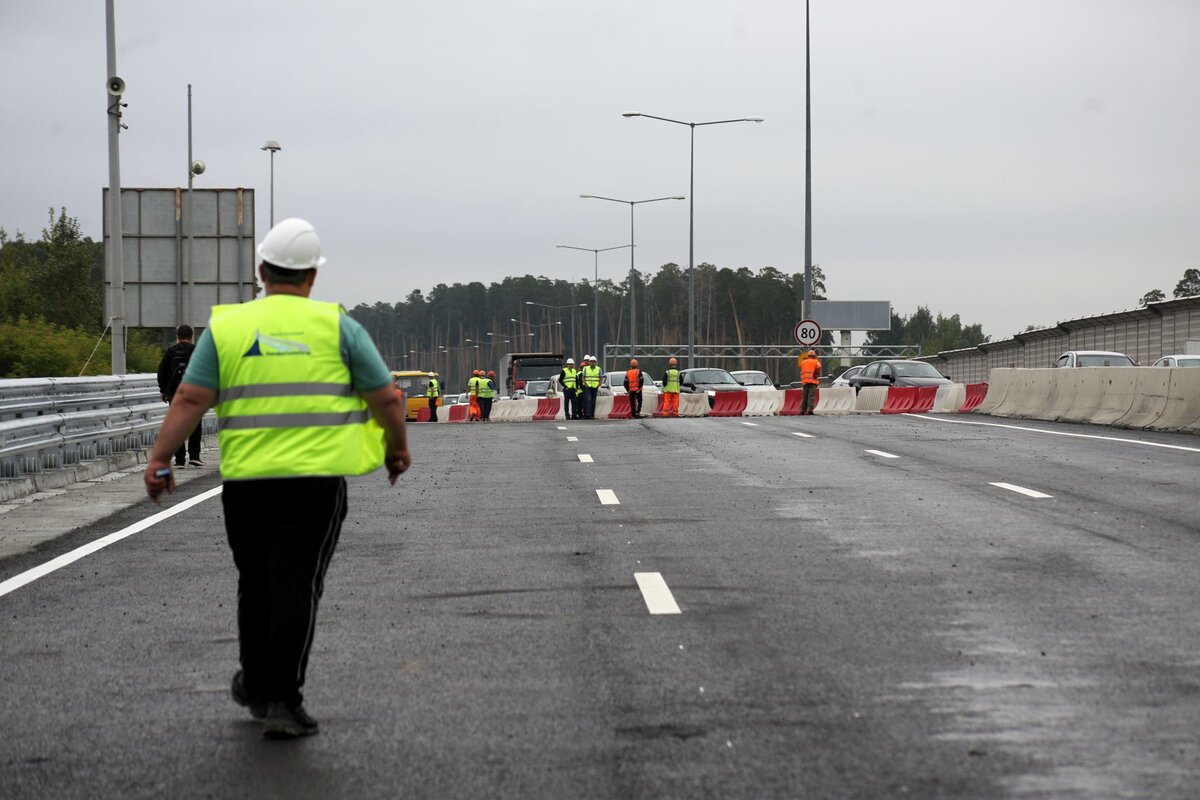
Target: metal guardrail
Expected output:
[50,423]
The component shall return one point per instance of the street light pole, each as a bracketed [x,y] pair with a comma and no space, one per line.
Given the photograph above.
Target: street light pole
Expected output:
[115,267]
[274,147]
[692,217]
[632,302]
[595,251]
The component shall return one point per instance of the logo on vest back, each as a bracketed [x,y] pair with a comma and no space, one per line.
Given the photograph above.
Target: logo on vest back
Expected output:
[270,346]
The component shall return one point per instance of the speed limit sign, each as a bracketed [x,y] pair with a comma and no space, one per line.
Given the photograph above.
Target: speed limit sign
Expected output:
[807,332]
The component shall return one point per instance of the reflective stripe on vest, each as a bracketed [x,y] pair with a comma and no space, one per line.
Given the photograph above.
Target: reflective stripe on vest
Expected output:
[671,381]
[591,377]
[570,377]
[286,406]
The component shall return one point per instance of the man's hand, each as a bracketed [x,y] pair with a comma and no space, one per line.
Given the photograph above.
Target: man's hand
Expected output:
[159,478]
[396,461]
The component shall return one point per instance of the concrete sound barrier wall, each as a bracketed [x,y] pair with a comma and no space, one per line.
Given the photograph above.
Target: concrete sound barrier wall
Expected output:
[870,399]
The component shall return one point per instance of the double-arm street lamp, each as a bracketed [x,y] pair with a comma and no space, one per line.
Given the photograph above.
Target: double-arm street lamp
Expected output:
[632,301]
[692,217]
[595,251]
[571,306]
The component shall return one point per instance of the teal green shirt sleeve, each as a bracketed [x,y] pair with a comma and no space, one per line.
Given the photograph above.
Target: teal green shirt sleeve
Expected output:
[367,370]
[202,369]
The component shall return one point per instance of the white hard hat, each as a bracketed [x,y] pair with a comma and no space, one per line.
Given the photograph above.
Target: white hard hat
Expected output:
[587,358]
[570,361]
[292,244]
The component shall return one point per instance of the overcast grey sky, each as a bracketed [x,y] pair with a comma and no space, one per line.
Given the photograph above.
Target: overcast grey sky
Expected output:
[1016,162]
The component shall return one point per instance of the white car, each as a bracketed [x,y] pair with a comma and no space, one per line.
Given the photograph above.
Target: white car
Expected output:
[844,378]
[754,380]
[1178,360]
[1093,358]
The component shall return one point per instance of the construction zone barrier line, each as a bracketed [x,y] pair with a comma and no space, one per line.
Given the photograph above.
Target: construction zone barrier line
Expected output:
[926,396]
[900,400]
[870,399]
[547,409]
[620,407]
[976,392]
[792,399]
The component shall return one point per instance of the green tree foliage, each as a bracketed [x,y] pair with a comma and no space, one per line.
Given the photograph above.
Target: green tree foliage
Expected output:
[1152,296]
[1189,284]
[57,278]
[34,348]
[930,334]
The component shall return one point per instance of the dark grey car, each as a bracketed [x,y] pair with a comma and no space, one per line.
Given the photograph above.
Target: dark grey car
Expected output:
[709,381]
[899,373]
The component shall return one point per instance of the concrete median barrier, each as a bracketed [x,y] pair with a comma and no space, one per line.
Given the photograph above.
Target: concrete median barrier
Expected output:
[693,405]
[1151,392]
[835,400]
[1088,387]
[999,380]
[870,399]
[728,404]
[1182,409]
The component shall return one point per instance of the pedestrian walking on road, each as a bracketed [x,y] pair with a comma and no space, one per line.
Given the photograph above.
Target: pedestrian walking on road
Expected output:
[487,394]
[569,380]
[633,385]
[591,386]
[170,374]
[433,391]
[810,378]
[670,390]
[303,399]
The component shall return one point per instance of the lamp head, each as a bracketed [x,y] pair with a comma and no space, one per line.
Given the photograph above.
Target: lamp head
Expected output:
[679,197]
[754,119]
[631,114]
[586,196]
[271,145]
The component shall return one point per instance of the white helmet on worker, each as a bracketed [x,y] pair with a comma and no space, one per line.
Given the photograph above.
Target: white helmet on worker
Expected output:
[587,358]
[570,361]
[292,244]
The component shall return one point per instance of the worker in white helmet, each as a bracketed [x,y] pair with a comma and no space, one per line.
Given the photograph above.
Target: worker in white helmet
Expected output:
[568,379]
[303,399]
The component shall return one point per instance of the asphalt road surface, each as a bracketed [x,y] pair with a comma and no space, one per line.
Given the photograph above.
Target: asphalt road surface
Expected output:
[868,607]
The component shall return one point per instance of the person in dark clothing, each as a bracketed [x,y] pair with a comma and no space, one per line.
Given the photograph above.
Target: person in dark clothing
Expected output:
[170,374]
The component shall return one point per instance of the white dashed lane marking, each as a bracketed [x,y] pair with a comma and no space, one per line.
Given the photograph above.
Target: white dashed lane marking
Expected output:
[607,497]
[751,424]
[882,454]
[585,458]
[802,435]
[572,438]
[1021,490]
[562,427]
[656,593]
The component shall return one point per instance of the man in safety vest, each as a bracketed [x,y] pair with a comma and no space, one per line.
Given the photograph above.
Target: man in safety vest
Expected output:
[670,390]
[590,375]
[810,377]
[433,391]
[487,393]
[633,385]
[474,412]
[302,400]
[569,380]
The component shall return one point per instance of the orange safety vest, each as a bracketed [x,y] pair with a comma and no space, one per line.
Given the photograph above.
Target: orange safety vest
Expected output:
[634,378]
[810,368]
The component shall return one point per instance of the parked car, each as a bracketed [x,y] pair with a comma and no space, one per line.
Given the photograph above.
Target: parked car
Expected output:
[754,380]
[899,372]
[844,378]
[536,388]
[1093,358]
[709,381]
[1178,360]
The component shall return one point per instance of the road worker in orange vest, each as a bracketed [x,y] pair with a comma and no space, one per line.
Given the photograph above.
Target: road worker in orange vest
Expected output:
[810,378]
[633,385]
[670,390]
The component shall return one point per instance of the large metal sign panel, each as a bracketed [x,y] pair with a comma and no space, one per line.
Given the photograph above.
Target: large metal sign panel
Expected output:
[162,287]
[853,315]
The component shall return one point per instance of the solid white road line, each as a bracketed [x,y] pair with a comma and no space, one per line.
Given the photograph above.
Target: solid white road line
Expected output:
[585,458]
[1021,490]
[656,593]
[882,454]
[572,438]
[802,435]
[1057,433]
[607,497]
[29,576]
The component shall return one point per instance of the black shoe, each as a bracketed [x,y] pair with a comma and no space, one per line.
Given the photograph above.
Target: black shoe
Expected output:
[238,690]
[283,722]
[196,462]
[180,464]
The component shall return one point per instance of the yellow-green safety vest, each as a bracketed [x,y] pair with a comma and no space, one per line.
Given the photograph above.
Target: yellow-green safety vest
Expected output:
[485,388]
[432,390]
[286,406]
[570,377]
[671,384]
[591,377]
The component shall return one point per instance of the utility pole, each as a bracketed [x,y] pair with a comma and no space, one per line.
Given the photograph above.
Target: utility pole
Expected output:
[116,258]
